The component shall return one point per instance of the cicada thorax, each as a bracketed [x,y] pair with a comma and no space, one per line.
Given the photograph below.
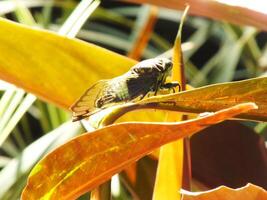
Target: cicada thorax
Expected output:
[156,66]
[152,73]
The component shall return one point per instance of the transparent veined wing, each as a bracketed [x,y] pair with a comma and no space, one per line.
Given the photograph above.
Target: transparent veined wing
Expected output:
[86,105]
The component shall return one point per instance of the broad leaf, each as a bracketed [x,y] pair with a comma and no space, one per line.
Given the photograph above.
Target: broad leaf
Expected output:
[60,79]
[88,160]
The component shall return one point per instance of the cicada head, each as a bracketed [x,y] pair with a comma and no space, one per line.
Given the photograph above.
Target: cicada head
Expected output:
[163,64]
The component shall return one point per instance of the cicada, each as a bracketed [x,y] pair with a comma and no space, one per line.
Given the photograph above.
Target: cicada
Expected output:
[145,77]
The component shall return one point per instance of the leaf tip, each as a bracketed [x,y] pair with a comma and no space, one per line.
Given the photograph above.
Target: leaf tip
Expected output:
[252,105]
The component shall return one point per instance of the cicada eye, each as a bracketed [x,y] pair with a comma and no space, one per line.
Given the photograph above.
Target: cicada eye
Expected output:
[135,70]
[164,64]
[168,64]
[160,67]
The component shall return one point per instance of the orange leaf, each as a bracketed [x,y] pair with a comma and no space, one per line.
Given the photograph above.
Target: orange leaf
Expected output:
[238,14]
[89,160]
[249,192]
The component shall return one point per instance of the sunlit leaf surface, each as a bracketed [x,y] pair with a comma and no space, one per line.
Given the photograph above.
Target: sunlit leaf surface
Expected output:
[90,159]
[249,192]
[60,79]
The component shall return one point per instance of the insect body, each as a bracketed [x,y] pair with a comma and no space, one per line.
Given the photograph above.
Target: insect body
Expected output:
[147,76]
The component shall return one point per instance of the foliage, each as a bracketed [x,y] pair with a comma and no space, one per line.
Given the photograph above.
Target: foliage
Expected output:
[57,69]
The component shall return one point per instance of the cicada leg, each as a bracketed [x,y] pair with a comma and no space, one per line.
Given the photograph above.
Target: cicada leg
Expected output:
[172,86]
[142,96]
[157,87]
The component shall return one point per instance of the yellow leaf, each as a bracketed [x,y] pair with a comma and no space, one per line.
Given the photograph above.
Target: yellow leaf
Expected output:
[55,68]
[170,167]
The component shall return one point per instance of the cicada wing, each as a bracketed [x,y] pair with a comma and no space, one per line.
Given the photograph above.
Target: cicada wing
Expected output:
[86,104]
